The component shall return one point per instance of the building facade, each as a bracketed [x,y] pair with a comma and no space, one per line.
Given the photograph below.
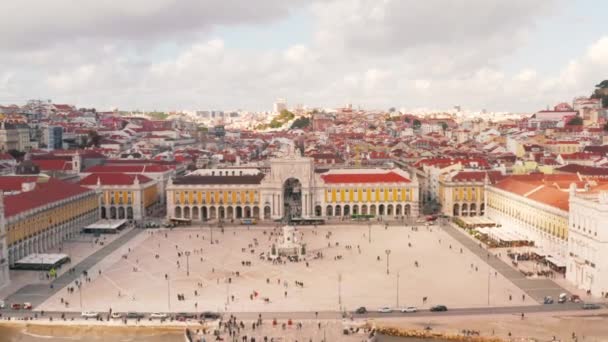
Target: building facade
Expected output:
[291,188]
[44,214]
[533,206]
[587,258]
[462,193]
[123,196]
[4,276]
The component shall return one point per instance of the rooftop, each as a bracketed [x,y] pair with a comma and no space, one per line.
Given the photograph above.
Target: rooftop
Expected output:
[388,177]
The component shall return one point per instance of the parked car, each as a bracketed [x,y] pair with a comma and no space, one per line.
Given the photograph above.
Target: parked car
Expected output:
[575,299]
[2,304]
[16,306]
[210,315]
[591,306]
[409,309]
[89,314]
[439,308]
[548,300]
[385,309]
[563,297]
[158,315]
[182,316]
[361,310]
[27,306]
[116,315]
[135,315]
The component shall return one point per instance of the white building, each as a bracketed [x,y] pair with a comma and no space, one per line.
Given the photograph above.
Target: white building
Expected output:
[587,258]
[279,106]
[4,279]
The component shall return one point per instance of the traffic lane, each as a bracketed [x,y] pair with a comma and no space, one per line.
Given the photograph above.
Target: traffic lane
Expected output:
[338,315]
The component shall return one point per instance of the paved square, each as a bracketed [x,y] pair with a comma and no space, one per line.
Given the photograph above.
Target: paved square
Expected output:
[347,276]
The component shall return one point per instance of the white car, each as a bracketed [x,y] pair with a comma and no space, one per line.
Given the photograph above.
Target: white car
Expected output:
[385,309]
[409,309]
[159,315]
[2,304]
[116,315]
[89,314]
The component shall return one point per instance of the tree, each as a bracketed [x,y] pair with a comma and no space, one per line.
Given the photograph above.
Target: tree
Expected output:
[18,155]
[417,124]
[300,123]
[606,126]
[444,125]
[392,110]
[408,120]
[94,139]
[576,121]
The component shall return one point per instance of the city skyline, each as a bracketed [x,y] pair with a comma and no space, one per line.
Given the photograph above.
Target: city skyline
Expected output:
[168,55]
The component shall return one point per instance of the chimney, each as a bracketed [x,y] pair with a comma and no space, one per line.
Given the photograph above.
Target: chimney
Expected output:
[28,186]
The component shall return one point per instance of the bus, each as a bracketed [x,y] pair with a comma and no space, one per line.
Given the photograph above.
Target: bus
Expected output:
[307,220]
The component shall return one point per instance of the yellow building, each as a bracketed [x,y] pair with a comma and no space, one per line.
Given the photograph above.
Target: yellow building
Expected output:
[291,189]
[537,206]
[124,196]
[43,213]
[462,193]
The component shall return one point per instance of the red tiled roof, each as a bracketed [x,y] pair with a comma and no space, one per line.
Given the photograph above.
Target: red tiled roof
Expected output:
[551,196]
[127,168]
[53,164]
[547,189]
[389,177]
[6,156]
[113,179]
[44,193]
[13,183]
[477,176]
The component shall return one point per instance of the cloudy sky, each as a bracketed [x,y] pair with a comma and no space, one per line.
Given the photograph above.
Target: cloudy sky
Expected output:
[516,55]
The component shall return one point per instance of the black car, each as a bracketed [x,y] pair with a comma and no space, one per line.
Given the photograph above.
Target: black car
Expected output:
[134,315]
[182,316]
[591,306]
[439,308]
[210,315]
[361,310]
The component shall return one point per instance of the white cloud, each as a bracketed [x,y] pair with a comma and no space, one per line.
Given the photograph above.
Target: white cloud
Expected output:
[375,53]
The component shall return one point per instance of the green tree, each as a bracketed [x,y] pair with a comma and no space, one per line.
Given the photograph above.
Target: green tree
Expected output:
[300,123]
[444,125]
[94,139]
[417,124]
[18,155]
[576,121]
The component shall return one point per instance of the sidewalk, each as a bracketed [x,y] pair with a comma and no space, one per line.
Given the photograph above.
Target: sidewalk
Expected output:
[38,293]
[537,289]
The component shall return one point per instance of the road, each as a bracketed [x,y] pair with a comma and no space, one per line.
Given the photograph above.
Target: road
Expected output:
[325,315]
[39,293]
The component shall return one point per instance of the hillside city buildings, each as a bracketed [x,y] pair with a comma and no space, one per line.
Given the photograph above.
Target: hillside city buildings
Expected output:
[538,180]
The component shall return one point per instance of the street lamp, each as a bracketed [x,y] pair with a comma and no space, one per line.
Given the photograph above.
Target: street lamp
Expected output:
[388,253]
[369,235]
[211,231]
[168,294]
[188,263]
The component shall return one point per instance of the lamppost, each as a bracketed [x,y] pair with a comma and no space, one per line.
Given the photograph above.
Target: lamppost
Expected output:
[397,289]
[340,290]
[211,231]
[369,234]
[80,293]
[388,253]
[188,263]
[168,294]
